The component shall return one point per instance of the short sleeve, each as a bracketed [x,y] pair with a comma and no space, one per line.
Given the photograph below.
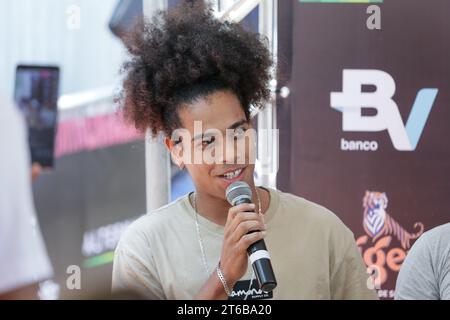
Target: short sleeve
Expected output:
[416,279]
[349,279]
[134,271]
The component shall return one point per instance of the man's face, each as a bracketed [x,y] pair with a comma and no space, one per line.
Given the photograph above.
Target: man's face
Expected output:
[220,144]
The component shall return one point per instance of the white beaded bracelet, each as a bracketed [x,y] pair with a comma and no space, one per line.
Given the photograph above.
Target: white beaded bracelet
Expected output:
[222,279]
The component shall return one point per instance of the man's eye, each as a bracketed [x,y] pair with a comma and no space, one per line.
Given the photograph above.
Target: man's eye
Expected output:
[208,141]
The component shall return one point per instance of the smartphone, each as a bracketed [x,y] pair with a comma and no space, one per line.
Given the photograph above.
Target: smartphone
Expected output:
[36,94]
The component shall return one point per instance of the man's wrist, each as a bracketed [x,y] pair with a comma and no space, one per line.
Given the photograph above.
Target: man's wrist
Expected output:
[223,280]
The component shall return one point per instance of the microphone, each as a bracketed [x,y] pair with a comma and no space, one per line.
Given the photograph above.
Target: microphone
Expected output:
[239,192]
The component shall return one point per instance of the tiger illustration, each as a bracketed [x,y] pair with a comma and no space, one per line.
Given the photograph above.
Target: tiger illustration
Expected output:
[377,222]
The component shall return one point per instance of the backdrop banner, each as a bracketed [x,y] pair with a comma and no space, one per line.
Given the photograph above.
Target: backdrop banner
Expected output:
[364,130]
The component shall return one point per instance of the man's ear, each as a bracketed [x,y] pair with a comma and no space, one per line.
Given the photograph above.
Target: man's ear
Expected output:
[176,152]
[169,144]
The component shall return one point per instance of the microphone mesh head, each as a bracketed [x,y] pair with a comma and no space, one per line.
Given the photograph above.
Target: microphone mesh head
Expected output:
[237,189]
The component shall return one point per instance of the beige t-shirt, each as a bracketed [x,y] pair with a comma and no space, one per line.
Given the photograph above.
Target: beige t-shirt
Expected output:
[313,254]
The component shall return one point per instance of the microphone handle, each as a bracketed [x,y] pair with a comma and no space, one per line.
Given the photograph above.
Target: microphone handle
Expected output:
[259,257]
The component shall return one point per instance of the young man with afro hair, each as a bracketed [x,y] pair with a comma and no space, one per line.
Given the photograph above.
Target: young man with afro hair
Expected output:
[188,67]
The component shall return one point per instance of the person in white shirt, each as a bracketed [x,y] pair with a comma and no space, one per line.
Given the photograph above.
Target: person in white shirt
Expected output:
[23,257]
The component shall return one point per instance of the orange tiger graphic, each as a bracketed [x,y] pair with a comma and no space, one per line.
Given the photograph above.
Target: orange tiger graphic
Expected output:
[377,222]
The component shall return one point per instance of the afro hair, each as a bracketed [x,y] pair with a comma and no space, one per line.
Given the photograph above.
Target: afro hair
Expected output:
[184,54]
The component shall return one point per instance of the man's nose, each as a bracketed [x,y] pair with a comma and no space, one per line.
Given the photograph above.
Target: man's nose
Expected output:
[231,152]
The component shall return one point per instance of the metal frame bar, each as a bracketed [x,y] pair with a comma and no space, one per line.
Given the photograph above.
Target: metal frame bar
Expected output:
[157,158]
[268,144]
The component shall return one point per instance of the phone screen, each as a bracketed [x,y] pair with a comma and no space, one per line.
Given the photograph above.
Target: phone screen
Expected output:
[36,94]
